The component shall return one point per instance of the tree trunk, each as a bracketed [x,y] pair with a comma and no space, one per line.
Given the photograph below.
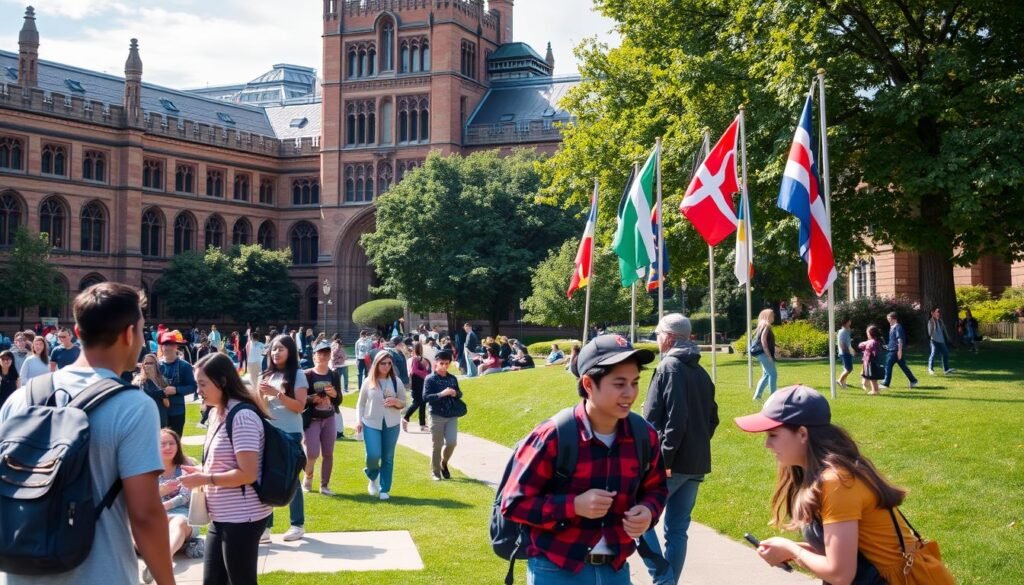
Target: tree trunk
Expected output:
[21,326]
[937,289]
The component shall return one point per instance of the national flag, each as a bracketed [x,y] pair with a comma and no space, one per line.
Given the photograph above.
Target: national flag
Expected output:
[708,200]
[584,263]
[744,268]
[634,238]
[659,268]
[800,196]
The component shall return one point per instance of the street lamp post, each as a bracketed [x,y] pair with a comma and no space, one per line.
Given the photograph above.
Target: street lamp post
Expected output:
[326,289]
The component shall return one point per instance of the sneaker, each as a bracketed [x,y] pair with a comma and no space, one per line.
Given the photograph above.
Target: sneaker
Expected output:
[424,429]
[913,385]
[196,548]
[326,491]
[147,577]
[444,470]
[265,537]
[840,384]
[201,425]
[373,488]
[294,533]
[384,496]
[949,371]
[405,425]
[435,477]
[307,486]
[931,372]
[883,386]
[340,437]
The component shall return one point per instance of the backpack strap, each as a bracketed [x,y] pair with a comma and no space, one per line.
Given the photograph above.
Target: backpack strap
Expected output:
[567,434]
[639,426]
[230,420]
[40,390]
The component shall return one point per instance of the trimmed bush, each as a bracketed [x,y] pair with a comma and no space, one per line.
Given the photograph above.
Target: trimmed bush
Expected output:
[543,348]
[967,296]
[700,324]
[1007,309]
[378,314]
[872,311]
[799,339]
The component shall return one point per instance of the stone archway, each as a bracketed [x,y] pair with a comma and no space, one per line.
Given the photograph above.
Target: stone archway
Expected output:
[355,274]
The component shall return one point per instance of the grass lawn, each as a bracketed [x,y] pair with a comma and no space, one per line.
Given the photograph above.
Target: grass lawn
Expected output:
[957,443]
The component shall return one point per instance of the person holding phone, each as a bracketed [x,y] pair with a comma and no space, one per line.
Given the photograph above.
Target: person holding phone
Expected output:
[381,400]
[320,424]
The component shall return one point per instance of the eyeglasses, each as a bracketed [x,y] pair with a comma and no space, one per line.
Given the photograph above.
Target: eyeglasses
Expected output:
[385,363]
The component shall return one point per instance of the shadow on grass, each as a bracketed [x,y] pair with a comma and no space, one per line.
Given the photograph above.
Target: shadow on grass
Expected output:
[406,501]
[914,395]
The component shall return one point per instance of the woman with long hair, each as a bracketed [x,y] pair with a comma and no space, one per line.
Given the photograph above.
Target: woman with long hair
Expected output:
[153,383]
[420,369]
[763,348]
[832,493]
[284,388]
[232,464]
[872,368]
[381,400]
[8,375]
[38,361]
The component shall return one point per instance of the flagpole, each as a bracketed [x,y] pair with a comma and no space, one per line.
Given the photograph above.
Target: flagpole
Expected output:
[593,261]
[749,237]
[661,239]
[632,310]
[828,213]
[711,282]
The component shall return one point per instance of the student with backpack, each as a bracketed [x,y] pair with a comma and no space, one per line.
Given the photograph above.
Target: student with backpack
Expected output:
[105,435]
[583,522]
[232,461]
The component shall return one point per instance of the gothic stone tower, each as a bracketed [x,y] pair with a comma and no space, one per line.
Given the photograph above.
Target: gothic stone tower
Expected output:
[400,80]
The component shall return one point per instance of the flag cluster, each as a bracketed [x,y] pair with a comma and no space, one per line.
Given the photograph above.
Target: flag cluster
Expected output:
[584,262]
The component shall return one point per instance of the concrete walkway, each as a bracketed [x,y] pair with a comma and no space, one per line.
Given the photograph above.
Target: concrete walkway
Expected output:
[712,559]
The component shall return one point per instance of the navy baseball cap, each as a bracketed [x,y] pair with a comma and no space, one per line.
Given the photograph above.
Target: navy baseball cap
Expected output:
[608,350]
[322,346]
[793,405]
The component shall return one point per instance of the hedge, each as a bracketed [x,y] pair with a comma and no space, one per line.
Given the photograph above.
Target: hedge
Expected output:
[799,339]
[378,313]
[543,348]
[872,311]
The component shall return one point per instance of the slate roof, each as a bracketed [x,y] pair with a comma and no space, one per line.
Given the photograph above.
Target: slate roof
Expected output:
[515,51]
[288,120]
[524,101]
[53,77]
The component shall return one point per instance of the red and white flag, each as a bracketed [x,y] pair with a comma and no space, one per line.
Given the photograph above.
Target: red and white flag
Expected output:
[708,200]
[584,263]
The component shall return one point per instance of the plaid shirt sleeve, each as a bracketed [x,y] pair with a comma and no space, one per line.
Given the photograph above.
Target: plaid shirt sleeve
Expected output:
[525,499]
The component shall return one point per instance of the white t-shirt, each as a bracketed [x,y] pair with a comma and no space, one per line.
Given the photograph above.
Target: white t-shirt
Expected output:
[602,548]
[255,355]
[124,442]
[281,417]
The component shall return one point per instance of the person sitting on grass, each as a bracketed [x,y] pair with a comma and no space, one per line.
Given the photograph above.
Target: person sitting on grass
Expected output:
[555,357]
[573,355]
[521,359]
[491,365]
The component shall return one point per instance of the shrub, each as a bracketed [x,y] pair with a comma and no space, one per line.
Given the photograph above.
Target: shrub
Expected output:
[378,314]
[700,324]
[872,311]
[542,348]
[1006,309]
[967,296]
[799,339]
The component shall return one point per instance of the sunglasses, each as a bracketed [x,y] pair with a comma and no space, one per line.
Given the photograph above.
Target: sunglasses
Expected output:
[385,363]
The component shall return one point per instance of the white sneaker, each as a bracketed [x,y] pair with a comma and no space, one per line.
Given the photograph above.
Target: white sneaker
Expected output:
[326,491]
[949,371]
[883,386]
[307,486]
[384,496]
[373,488]
[913,385]
[931,372]
[147,576]
[265,537]
[294,533]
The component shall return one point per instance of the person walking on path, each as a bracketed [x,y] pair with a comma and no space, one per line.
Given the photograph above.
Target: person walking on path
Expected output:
[321,428]
[897,343]
[22,348]
[939,337]
[254,353]
[237,516]
[381,400]
[37,363]
[363,346]
[123,445]
[152,383]
[872,368]
[844,343]
[471,343]
[441,391]
[971,335]
[763,348]
[420,370]
[583,533]
[834,494]
[284,389]
[215,337]
[339,365]
[180,380]
[65,353]
[8,376]
[681,407]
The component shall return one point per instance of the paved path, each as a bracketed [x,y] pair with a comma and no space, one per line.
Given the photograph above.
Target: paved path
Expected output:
[712,559]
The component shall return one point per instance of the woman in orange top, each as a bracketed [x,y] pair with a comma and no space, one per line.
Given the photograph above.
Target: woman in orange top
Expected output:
[831,492]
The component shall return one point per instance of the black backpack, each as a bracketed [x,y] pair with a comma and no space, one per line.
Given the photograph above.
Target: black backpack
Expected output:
[283,459]
[48,513]
[510,539]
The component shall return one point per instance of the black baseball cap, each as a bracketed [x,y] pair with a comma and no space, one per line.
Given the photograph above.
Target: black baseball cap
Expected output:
[793,405]
[608,350]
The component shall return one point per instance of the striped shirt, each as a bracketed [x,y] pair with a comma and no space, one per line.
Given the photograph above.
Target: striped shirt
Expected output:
[234,504]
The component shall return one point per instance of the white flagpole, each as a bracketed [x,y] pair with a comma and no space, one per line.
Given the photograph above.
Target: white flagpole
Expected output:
[590,279]
[661,240]
[711,282]
[828,213]
[749,235]
[632,310]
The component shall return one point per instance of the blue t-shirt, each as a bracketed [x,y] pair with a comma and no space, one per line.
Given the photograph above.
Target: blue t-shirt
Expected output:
[124,442]
[897,336]
[65,357]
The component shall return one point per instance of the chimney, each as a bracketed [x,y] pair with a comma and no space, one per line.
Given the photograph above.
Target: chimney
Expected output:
[28,51]
[503,9]
[550,58]
[133,84]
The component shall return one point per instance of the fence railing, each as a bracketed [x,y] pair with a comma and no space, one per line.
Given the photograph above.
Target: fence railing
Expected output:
[1003,330]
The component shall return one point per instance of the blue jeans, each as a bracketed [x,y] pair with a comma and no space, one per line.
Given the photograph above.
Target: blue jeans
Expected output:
[380,454]
[890,361]
[942,348]
[770,375]
[296,509]
[471,370]
[541,571]
[362,370]
[343,372]
[682,495]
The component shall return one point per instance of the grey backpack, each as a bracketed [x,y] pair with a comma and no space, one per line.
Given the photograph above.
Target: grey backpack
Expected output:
[48,512]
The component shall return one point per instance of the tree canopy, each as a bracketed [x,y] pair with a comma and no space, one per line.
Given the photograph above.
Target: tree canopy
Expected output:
[29,279]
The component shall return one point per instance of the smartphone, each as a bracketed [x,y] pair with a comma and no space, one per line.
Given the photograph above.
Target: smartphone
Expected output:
[754,541]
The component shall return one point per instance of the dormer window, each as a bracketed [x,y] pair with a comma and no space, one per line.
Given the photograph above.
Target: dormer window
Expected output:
[74,85]
[169,105]
[507,117]
[298,122]
[227,119]
[12,73]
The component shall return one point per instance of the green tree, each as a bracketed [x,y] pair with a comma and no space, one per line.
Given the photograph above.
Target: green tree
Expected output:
[609,301]
[923,103]
[198,286]
[461,234]
[378,314]
[29,279]
[265,292]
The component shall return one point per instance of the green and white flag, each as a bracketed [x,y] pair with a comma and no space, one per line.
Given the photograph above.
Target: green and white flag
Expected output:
[634,236]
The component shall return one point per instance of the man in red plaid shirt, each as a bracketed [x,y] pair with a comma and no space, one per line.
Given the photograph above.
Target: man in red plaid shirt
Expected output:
[583,532]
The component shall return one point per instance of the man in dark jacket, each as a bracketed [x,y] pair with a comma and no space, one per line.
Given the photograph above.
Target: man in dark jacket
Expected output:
[681,407]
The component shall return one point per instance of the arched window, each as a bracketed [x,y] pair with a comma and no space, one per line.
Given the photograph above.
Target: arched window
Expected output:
[415,58]
[353,63]
[184,233]
[152,233]
[213,231]
[305,192]
[184,179]
[12,154]
[387,46]
[153,174]
[385,176]
[214,183]
[265,237]
[267,191]
[414,125]
[350,184]
[241,233]
[53,160]
[425,56]
[424,122]
[403,126]
[90,280]
[94,222]
[360,183]
[405,67]
[241,187]
[371,55]
[369,183]
[53,221]
[363,65]
[94,166]
[10,218]
[305,244]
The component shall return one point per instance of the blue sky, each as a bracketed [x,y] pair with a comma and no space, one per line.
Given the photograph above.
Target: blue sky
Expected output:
[193,43]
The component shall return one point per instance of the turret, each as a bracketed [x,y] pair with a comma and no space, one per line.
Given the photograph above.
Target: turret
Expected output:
[28,51]
[550,58]
[133,83]
[503,9]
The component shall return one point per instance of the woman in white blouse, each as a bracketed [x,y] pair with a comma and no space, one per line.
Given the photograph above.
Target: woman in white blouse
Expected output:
[381,400]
